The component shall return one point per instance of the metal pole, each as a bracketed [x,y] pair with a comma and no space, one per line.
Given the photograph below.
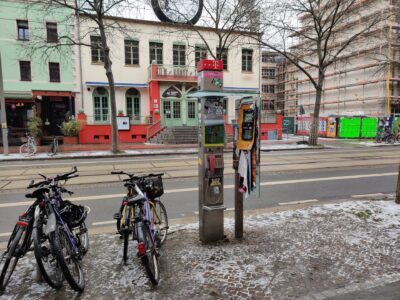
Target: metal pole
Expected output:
[238,195]
[3,118]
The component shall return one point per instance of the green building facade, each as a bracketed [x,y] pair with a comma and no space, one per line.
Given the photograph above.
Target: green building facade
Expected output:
[36,71]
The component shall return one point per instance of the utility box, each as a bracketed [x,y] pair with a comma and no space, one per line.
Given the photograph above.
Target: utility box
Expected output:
[211,169]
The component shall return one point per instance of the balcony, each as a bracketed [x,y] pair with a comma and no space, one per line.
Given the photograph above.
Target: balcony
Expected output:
[172,73]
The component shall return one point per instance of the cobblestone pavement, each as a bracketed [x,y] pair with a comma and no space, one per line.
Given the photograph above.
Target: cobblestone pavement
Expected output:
[312,253]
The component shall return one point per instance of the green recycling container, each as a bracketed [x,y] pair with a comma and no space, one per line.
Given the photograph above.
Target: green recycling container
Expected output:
[368,127]
[349,127]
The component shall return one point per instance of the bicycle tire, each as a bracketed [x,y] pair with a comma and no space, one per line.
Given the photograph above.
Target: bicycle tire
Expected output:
[45,257]
[24,150]
[150,259]
[160,221]
[64,255]
[7,262]
[125,234]
[52,150]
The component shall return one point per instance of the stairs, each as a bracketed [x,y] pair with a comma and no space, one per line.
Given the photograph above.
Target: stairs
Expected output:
[177,135]
[181,135]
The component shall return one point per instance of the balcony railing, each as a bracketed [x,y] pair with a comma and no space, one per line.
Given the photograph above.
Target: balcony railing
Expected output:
[172,73]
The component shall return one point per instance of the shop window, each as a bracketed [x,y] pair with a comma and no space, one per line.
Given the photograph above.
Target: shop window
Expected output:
[54,72]
[25,70]
[23,30]
[101,107]
[200,53]
[178,55]
[247,60]
[52,34]
[156,53]
[96,49]
[133,105]
[223,54]
[131,52]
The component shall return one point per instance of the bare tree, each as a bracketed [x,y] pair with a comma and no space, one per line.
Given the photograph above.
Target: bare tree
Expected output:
[314,35]
[94,13]
[229,20]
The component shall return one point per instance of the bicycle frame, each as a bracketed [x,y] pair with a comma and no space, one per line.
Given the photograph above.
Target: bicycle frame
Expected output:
[55,218]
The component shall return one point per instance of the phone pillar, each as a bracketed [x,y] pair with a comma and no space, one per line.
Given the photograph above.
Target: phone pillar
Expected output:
[211,156]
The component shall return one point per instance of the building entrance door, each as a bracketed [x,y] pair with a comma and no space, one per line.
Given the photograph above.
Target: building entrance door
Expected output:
[192,113]
[171,112]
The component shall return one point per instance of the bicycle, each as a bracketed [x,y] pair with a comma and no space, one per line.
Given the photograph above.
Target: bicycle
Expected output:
[157,208]
[28,148]
[24,233]
[66,230]
[136,218]
[53,147]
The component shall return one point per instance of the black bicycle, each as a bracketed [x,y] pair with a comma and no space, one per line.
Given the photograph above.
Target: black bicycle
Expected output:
[66,230]
[26,230]
[53,147]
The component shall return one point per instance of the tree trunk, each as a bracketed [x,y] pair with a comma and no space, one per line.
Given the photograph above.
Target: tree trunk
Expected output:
[110,77]
[313,138]
[398,188]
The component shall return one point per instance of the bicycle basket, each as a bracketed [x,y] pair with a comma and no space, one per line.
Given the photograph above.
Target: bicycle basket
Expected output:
[157,188]
[74,215]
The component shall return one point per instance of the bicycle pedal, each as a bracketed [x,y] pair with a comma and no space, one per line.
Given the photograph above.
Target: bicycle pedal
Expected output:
[117,216]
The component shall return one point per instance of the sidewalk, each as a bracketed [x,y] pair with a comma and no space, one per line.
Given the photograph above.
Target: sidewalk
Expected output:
[289,142]
[343,250]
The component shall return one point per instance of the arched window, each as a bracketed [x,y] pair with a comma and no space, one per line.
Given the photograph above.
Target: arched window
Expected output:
[133,104]
[101,107]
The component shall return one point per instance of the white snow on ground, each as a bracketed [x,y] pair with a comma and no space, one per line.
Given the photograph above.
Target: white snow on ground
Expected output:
[283,255]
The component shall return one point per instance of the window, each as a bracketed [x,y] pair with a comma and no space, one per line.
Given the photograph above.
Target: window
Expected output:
[23,30]
[247,60]
[25,70]
[54,71]
[270,89]
[178,57]
[268,58]
[191,110]
[97,52]
[52,35]
[156,53]
[131,52]
[133,104]
[224,56]
[100,99]
[200,53]
[177,110]
[268,73]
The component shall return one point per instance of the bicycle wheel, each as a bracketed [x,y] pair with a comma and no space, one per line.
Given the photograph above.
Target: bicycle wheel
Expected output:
[160,220]
[52,150]
[150,259]
[32,149]
[69,264]
[47,263]
[125,234]
[24,150]
[10,258]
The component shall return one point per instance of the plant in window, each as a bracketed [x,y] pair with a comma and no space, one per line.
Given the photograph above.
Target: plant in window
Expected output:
[35,124]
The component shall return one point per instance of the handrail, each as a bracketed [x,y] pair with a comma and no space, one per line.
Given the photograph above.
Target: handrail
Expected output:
[153,129]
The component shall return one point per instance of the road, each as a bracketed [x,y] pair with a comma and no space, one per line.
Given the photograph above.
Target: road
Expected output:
[289,176]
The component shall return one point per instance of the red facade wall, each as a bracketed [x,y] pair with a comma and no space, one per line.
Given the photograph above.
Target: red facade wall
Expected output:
[271,127]
[101,134]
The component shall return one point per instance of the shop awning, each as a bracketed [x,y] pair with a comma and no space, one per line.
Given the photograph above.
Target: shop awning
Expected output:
[53,93]
[117,84]
[200,94]
[19,96]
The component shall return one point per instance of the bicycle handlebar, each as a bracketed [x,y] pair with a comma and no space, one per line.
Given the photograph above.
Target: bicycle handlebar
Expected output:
[48,180]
